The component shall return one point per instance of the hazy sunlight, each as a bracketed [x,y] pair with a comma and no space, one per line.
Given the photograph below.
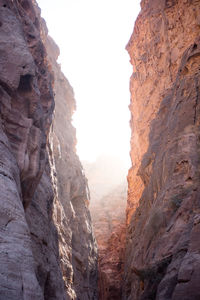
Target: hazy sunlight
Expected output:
[92,36]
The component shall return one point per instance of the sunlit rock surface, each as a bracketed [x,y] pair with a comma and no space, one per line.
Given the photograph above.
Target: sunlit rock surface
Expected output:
[163,213]
[77,245]
[108,189]
[47,248]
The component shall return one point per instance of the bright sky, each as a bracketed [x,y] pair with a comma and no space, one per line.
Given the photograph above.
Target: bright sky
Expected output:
[92,35]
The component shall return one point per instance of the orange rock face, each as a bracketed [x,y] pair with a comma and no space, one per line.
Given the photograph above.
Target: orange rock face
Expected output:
[162,250]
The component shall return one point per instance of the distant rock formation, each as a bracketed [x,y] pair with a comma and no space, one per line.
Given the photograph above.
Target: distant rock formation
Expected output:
[106,177]
[163,212]
[47,245]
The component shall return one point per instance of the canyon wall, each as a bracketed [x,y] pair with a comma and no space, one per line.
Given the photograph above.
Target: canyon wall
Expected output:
[163,212]
[47,248]
[108,193]
[108,216]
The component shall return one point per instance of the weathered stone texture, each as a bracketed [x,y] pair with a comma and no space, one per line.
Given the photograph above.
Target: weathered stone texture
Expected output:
[163,251]
[108,191]
[108,216]
[47,248]
[77,245]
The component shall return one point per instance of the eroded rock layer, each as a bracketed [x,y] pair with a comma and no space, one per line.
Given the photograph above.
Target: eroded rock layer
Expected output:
[163,213]
[47,248]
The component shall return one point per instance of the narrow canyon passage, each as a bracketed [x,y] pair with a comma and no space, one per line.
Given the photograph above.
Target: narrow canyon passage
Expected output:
[71,229]
[108,195]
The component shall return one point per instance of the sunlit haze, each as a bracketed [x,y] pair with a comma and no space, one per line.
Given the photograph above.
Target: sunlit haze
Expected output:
[92,36]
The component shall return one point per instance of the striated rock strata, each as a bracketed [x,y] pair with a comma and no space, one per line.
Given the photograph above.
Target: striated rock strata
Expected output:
[47,248]
[163,213]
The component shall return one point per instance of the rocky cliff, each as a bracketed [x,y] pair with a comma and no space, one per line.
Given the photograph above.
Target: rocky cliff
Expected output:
[108,216]
[163,213]
[47,248]
[108,190]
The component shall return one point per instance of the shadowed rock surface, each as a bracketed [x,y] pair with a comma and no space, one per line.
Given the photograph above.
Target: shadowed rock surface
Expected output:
[108,216]
[163,213]
[108,191]
[47,248]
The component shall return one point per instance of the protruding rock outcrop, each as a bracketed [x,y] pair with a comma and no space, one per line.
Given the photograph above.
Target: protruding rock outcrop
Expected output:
[47,246]
[77,245]
[163,213]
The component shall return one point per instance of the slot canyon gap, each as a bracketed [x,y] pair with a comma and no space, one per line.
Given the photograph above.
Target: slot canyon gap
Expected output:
[140,244]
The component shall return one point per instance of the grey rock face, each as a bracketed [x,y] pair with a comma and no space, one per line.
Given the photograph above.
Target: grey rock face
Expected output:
[78,248]
[47,248]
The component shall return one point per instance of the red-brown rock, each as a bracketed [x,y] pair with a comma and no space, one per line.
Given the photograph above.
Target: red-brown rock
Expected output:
[108,204]
[162,250]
